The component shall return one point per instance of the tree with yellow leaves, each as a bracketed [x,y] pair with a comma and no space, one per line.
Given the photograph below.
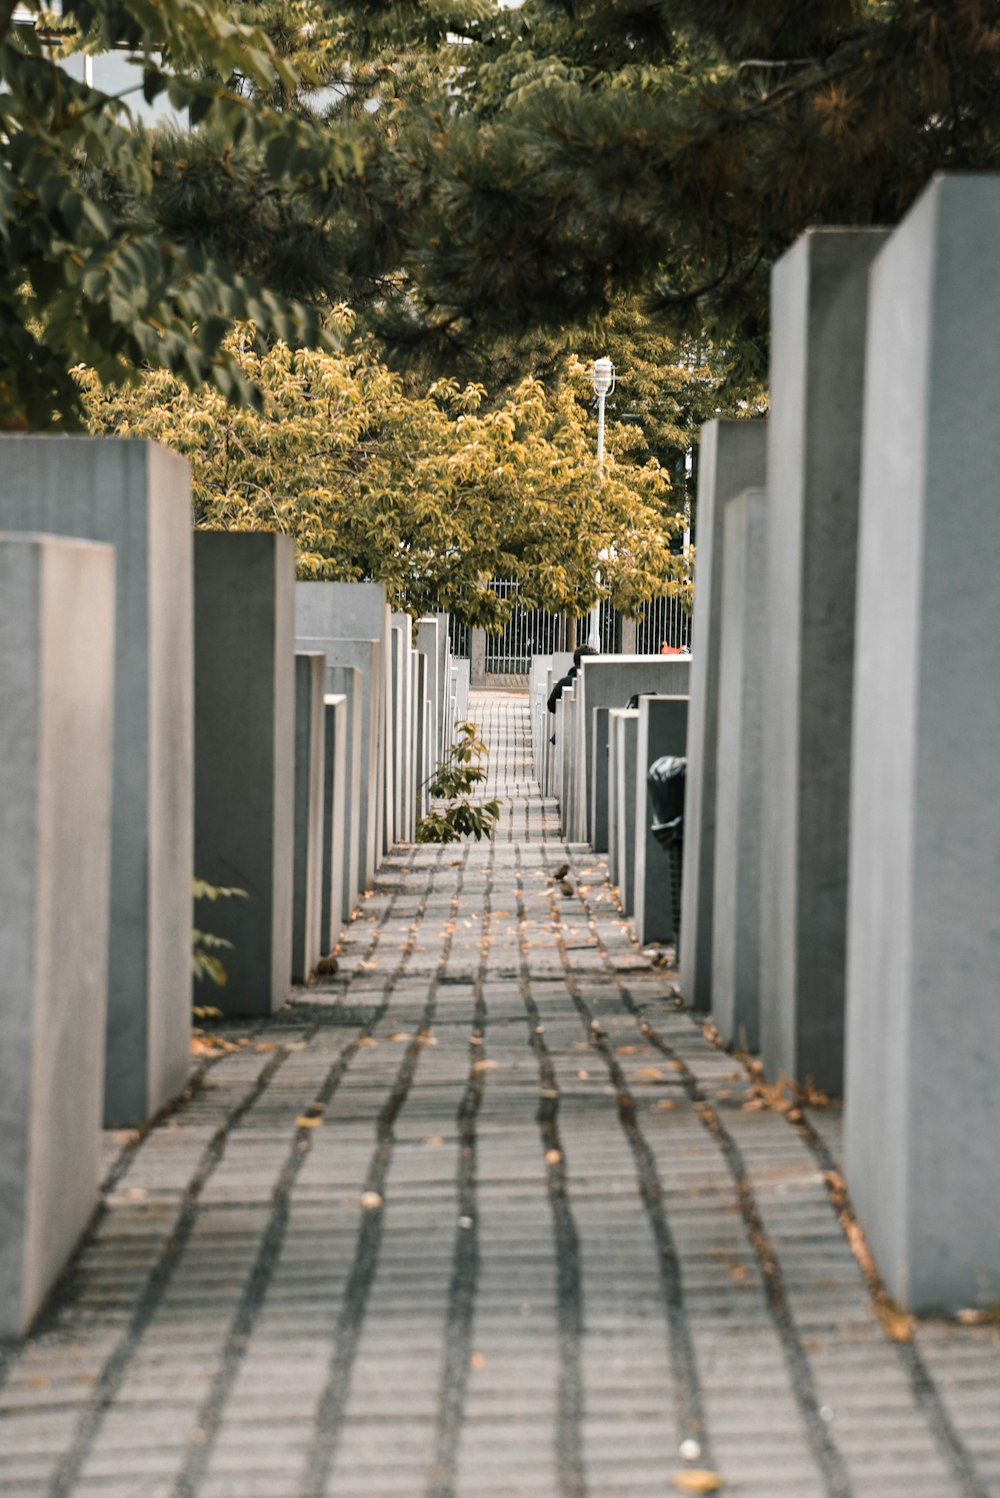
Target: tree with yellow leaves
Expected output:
[431,491]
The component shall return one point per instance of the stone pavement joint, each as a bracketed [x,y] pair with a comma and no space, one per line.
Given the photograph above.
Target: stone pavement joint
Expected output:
[483,1215]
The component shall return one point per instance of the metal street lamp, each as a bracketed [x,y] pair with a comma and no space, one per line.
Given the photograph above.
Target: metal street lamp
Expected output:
[604,383]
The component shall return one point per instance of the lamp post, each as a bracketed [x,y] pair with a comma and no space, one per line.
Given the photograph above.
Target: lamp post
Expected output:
[604,384]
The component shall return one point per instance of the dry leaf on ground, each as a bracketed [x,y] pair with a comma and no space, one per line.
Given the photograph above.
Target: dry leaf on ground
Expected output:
[696,1480]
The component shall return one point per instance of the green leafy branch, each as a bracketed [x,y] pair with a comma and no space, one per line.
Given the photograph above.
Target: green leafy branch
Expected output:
[452,782]
[205,945]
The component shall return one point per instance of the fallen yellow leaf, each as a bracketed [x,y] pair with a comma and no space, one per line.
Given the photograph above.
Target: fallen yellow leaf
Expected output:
[649,1074]
[696,1480]
[481,1066]
[553,1157]
[370,1200]
[305,1122]
[477,1360]
[433,1139]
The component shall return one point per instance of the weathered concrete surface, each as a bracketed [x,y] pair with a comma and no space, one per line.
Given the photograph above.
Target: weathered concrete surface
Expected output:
[57,633]
[599,787]
[819,317]
[310,763]
[349,623]
[735,972]
[625,737]
[336,718]
[245,759]
[609,681]
[135,496]
[923,1096]
[663,726]
[732,456]
[348,682]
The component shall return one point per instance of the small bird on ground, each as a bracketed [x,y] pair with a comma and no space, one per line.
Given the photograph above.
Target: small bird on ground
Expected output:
[561,871]
[566,887]
[326,966]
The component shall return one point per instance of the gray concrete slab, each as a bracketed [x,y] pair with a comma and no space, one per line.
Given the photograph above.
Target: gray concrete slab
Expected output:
[819,319]
[923,1097]
[447,721]
[732,456]
[735,973]
[599,782]
[609,681]
[662,730]
[422,755]
[310,765]
[135,496]
[365,656]
[428,641]
[625,736]
[57,640]
[352,628]
[348,682]
[335,760]
[406,762]
[245,760]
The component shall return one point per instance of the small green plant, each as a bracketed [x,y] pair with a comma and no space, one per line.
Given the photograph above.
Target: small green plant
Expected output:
[452,782]
[204,946]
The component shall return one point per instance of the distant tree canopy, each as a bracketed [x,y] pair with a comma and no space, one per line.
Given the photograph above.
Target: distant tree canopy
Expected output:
[472,181]
[432,492]
[497,196]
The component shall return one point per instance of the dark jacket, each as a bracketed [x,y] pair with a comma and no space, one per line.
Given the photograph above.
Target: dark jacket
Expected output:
[562,683]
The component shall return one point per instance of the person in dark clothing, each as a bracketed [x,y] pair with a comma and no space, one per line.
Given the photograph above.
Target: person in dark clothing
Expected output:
[564,681]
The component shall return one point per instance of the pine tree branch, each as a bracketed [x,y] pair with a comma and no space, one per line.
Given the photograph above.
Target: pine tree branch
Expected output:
[7,8]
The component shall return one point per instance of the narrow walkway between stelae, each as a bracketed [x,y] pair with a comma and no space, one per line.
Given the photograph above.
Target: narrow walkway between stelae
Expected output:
[485,1215]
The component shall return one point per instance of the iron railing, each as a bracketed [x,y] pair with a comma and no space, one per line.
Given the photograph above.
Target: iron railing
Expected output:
[531,632]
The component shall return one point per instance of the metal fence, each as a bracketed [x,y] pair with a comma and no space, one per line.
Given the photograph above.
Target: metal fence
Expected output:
[531,632]
[459,637]
[664,622]
[527,632]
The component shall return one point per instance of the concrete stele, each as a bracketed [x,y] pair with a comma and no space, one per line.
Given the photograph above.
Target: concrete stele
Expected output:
[335,712]
[57,630]
[428,642]
[348,622]
[135,496]
[610,681]
[732,456]
[347,682]
[422,754]
[245,759]
[735,971]
[663,725]
[625,731]
[599,811]
[819,318]
[922,1098]
[310,764]
[402,665]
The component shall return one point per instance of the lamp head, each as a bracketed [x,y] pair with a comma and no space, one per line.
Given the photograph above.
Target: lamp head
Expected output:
[604,376]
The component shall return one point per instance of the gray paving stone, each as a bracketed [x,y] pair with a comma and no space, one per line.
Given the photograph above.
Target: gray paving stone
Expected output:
[569,1281]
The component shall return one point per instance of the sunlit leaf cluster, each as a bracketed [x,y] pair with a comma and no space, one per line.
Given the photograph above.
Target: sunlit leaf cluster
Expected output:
[432,491]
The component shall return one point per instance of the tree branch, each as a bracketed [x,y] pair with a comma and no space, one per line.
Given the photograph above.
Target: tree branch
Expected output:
[7,8]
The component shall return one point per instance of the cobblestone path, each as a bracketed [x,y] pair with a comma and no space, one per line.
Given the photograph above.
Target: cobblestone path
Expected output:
[485,1215]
